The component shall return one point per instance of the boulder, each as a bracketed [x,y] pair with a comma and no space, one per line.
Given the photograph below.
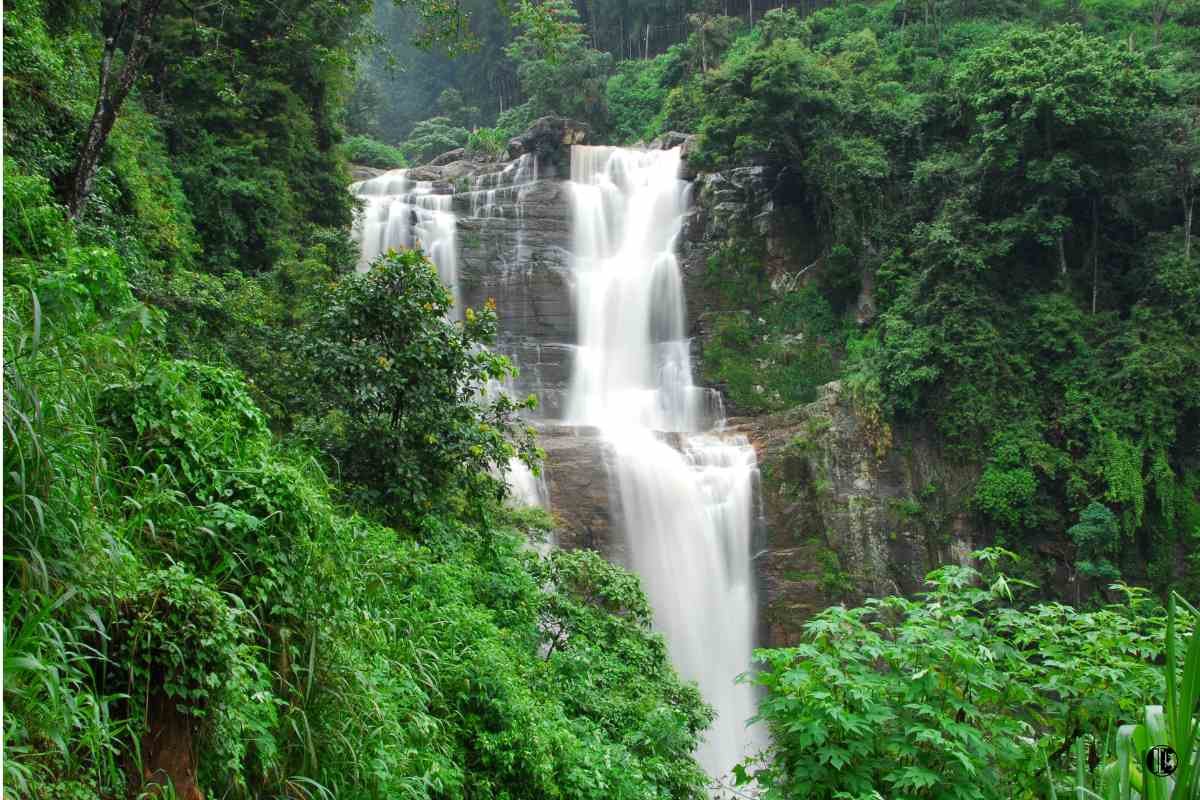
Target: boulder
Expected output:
[361,172]
[669,140]
[547,137]
[456,154]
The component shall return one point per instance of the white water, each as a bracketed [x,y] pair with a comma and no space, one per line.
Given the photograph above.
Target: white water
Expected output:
[400,213]
[688,513]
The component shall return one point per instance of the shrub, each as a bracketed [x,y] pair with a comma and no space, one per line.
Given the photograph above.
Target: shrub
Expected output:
[959,693]
[432,137]
[491,143]
[372,153]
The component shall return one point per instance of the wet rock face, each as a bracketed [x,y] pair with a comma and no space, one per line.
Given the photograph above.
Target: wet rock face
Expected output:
[516,252]
[736,202]
[853,509]
[581,497]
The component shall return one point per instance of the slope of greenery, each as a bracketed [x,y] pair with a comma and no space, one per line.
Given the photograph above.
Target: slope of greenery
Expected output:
[999,201]
[329,599]
[965,692]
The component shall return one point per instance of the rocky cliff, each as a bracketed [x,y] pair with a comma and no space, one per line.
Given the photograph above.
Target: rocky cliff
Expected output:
[851,507]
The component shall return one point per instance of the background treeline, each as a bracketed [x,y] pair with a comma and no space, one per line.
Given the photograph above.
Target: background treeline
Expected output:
[254,534]
[255,538]
[401,82]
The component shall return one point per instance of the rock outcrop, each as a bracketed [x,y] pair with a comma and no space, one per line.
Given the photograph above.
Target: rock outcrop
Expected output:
[853,508]
[361,172]
[548,138]
[581,497]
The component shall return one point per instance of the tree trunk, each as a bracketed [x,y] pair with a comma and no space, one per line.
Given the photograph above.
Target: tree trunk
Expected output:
[1095,250]
[111,96]
[168,752]
[1189,210]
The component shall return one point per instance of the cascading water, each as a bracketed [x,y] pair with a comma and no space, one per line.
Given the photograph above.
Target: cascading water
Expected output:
[686,493]
[688,513]
[399,213]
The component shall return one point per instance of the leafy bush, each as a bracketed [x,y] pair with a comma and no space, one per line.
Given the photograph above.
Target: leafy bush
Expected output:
[432,137]
[959,693]
[1175,725]
[393,387]
[491,143]
[365,150]
[1097,539]
[183,648]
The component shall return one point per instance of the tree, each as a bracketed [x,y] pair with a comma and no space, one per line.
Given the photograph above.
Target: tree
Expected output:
[395,389]
[1053,113]
[1097,538]
[450,104]
[131,27]
[559,73]
[432,137]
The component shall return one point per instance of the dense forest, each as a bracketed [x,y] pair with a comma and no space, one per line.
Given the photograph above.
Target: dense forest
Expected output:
[258,540]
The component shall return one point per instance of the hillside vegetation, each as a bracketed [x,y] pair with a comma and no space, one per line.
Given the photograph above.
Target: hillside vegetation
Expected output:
[256,534]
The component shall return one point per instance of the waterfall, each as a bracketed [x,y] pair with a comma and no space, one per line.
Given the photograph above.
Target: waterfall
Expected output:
[399,213]
[687,510]
[686,492]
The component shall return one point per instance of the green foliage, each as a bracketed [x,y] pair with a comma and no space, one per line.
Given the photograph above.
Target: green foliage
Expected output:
[490,143]
[1097,541]
[176,636]
[432,137]
[365,150]
[772,356]
[249,99]
[559,73]
[960,693]
[395,387]
[450,104]
[1177,725]
[636,94]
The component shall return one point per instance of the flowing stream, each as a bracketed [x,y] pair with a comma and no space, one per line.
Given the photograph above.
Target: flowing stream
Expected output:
[687,492]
